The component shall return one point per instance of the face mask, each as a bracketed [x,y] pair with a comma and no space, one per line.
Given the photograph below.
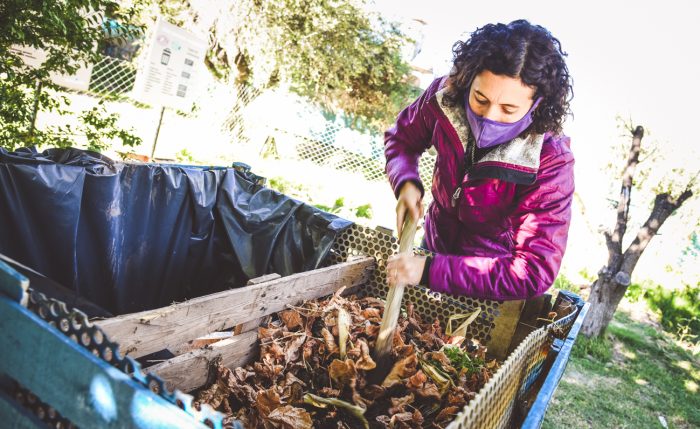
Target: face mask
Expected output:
[490,133]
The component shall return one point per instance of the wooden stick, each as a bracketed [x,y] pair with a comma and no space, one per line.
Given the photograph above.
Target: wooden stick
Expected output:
[394,296]
[150,331]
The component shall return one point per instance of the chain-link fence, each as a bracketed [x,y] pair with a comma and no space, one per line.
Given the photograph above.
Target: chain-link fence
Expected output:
[112,77]
[241,123]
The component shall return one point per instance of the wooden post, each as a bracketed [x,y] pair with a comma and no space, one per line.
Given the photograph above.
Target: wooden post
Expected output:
[155,139]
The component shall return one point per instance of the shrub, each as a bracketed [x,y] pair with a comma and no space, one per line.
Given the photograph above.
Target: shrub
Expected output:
[679,309]
[563,283]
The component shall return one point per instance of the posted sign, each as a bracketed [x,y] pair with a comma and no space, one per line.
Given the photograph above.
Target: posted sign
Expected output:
[167,74]
[35,57]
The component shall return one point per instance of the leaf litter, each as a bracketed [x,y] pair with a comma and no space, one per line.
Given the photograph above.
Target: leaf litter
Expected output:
[315,364]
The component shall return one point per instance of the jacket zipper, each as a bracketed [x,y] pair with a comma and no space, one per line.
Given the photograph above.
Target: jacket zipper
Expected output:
[456,195]
[468,163]
[468,153]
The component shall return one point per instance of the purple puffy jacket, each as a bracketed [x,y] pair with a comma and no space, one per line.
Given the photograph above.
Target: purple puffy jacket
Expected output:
[505,235]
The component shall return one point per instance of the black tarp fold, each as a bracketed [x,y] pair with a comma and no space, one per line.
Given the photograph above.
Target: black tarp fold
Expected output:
[131,237]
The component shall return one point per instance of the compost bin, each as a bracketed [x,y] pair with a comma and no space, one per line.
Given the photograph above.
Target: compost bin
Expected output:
[134,238]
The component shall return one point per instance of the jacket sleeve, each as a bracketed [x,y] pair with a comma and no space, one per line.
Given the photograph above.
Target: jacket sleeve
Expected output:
[540,224]
[407,139]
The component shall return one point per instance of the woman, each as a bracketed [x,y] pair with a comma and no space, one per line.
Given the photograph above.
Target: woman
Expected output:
[503,179]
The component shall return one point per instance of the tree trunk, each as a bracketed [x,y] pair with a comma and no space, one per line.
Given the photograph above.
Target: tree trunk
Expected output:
[604,298]
[614,279]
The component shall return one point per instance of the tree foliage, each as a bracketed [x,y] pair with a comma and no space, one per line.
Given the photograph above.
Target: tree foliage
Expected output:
[68,31]
[333,52]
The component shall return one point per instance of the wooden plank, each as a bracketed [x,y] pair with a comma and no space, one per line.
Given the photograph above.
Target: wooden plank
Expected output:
[263,279]
[190,370]
[212,338]
[139,334]
[248,326]
[534,309]
[504,328]
[253,324]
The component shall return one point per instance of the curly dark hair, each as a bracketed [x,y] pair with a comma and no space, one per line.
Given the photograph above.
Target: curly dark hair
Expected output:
[519,49]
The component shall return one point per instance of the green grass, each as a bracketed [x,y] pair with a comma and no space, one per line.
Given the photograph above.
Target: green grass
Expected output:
[627,380]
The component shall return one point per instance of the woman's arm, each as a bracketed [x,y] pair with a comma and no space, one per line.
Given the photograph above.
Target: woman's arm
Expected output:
[407,140]
[541,224]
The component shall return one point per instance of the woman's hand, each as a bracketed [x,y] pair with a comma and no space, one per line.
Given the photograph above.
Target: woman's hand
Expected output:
[405,269]
[410,202]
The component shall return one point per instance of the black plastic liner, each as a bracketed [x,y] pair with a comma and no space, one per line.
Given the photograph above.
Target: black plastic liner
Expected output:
[132,237]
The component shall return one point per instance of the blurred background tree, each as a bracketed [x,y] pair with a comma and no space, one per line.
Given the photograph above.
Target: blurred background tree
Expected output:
[335,53]
[68,32]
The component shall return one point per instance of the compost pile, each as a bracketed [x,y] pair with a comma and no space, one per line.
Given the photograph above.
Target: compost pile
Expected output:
[315,370]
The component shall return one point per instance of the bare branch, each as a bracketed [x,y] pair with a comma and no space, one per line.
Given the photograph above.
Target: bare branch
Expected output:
[625,194]
[682,197]
[608,241]
[650,154]
[664,206]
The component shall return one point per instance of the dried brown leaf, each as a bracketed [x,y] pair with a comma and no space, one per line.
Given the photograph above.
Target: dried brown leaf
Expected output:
[457,397]
[384,420]
[343,372]
[291,349]
[354,410]
[372,314]
[329,341]
[446,414]
[288,417]
[291,319]
[371,330]
[267,368]
[365,361]
[329,392]
[418,418]
[267,401]
[398,405]
[401,420]
[417,380]
[402,369]
[429,390]
[309,348]
[373,392]
[265,335]
[292,394]
[274,350]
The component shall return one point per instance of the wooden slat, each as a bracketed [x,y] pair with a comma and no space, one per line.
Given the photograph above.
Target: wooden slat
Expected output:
[253,324]
[504,327]
[263,279]
[139,334]
[189,371]
[534,308]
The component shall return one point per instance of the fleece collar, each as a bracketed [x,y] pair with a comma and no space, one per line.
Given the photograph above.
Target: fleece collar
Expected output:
[516,161]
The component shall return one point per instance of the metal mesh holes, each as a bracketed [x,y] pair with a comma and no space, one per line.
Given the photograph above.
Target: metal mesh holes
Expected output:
[359,240]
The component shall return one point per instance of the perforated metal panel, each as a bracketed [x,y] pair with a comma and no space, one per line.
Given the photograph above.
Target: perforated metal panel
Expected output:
[494,405]
[359,240]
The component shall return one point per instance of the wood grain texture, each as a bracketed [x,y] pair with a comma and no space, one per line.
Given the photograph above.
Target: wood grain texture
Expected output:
[504,327]
[190,370]
[139,334]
